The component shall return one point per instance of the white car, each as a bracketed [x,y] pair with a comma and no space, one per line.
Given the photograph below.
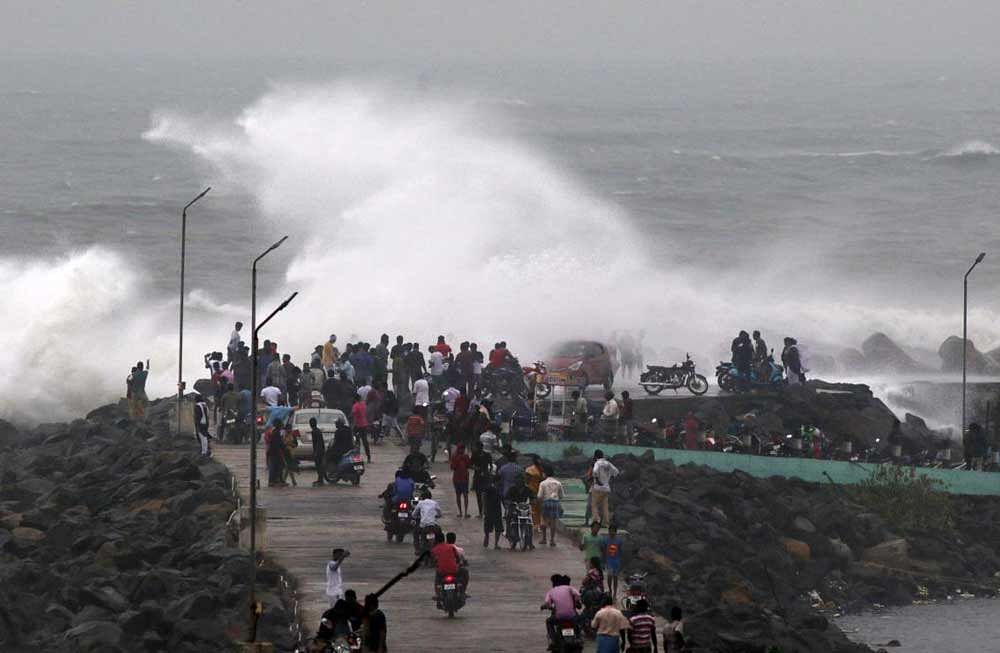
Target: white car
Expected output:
[326,421]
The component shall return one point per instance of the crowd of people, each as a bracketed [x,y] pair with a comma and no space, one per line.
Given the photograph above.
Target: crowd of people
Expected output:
[754,361]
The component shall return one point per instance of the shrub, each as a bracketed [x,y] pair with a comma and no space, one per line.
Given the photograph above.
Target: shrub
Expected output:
[905,501]
[572,450]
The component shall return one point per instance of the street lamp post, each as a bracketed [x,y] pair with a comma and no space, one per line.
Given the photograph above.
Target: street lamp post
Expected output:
[180,328]
[253,423]
[965,331]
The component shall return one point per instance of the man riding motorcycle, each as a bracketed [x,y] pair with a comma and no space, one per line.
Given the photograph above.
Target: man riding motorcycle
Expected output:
[564,602]
[447,562]
[399,490]
[416,465]
[428,512]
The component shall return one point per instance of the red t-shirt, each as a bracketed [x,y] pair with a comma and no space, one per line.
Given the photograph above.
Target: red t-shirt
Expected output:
[446,558]
[359,413]
[498,356]
[460,466]
[443,348]
[415,426]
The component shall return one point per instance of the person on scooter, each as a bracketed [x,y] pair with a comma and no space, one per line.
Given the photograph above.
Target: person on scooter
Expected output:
[463,562]
[564,601]
[446,560]
[416,464]
[343,441]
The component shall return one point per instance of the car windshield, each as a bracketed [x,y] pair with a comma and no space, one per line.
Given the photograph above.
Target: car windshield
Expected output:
[571,350]
[323,419]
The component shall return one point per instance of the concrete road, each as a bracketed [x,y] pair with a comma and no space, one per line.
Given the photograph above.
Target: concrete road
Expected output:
[506,588]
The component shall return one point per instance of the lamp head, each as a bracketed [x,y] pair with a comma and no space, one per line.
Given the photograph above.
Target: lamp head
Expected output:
[982,255]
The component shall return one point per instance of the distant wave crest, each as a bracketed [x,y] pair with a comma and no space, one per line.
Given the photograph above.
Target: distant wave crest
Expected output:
[969,150]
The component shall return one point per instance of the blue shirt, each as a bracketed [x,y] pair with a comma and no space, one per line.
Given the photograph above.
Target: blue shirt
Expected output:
[612,548]
[244,403]
[403,489]
[279,415]
[509,474]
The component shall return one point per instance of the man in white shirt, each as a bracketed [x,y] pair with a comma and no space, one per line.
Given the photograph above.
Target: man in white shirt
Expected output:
[271,394]
[609,417]
[334,580]
[603,472]
[450,396]
[234,341]
[421,392]
[435,363]
[550,496]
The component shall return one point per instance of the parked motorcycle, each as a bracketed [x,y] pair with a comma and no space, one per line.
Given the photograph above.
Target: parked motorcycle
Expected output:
[658,378]
[730,379]
[503,381]
[519,525]
[326,642]
[635,591]
[534,378]
[350,468]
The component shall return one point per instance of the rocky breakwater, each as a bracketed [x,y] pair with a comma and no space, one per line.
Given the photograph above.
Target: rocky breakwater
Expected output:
[114,537]
[757,563]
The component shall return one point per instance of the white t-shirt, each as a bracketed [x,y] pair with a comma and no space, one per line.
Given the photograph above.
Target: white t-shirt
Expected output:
[610,409]
[604,471]
[363,392]
[489,441]
[450,396]
[234,341]
[436,364]
[428,509]
[334,581]
[421,392]
[477,366]
[270,395]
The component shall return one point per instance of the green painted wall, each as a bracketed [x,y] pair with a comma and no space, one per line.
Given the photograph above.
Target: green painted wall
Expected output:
[816,471]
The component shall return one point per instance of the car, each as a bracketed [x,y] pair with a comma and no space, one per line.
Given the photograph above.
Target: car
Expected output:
[581,363]
[326,421]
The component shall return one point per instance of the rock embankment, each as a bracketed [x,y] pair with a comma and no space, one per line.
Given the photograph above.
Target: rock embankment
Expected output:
[762,562]
[114,537]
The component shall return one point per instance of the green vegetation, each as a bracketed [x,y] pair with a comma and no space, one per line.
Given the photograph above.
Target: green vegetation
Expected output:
[906,501]
[572,450]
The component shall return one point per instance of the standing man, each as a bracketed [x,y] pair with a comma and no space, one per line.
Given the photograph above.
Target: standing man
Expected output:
[533,477]
[330,353]
[319,452]
[359,420]
[603,472]
[421,392]
[627,417]
[460,463]
[477,368]
[465,362]
[234,342]
[580,414]
[609,417]
[610,625]
[138,386]
[201,423]
[792,361]
[550,496]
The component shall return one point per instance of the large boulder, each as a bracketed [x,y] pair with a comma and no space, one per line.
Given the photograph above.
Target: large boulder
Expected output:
[882,355]
[977,362]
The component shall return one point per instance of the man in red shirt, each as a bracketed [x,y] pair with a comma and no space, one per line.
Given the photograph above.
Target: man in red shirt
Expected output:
[446,560]
[359,419]
[442,347]
[460,463]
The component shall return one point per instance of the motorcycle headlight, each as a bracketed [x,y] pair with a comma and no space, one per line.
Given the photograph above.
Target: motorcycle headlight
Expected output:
[575,366]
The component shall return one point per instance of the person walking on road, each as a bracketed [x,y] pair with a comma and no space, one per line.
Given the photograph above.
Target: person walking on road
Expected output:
[590,544]
[460,464]
[334,576]
[642,637]
[611,626]
[550,496]
[600,491]
[359,420]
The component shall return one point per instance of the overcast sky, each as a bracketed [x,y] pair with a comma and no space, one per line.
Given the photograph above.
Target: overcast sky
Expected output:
[504,29]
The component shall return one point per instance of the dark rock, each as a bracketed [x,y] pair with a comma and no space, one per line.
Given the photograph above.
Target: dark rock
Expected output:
[884,356]
[950,352]
[95,636]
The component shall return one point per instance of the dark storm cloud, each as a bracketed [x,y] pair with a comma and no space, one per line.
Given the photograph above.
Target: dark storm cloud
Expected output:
[476,29]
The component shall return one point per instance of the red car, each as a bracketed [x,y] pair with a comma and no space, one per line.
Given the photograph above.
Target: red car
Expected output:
[583,362]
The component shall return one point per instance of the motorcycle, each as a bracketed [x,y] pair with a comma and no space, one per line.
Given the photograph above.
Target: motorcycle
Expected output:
[326,642]
[519,525]
[423,540]
[730,379]
[658,378]
[504,381]
[398,520]
[351,468]
[233,429]
[635,591]
[451,595]
[568,637]
[534,378]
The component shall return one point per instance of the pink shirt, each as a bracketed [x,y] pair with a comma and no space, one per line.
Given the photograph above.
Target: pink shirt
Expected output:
[359,414]
[564,599]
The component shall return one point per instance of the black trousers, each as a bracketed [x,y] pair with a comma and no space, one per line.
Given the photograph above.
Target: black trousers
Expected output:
[318,459]
[361,433]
